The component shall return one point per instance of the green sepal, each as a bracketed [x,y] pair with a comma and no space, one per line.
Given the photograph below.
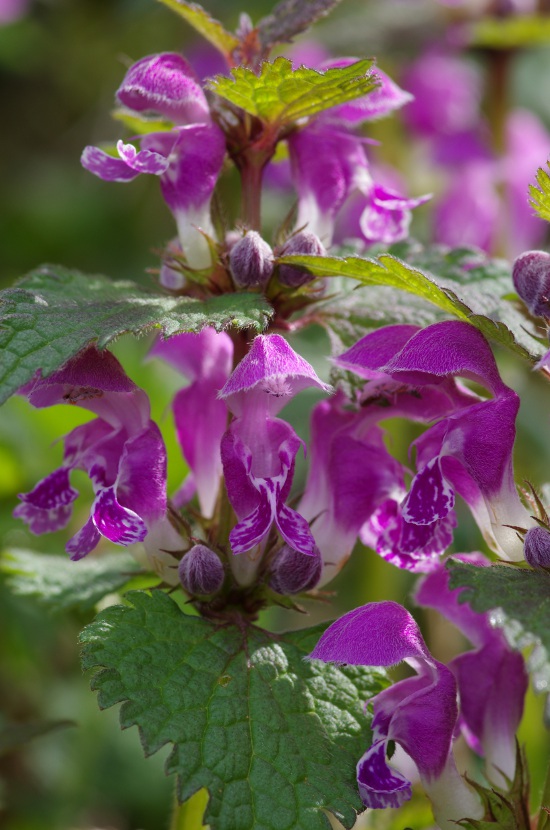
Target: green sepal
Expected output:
[273,737]
[53,313]
[504,809]
[204,24]
[61,585]
[280,95]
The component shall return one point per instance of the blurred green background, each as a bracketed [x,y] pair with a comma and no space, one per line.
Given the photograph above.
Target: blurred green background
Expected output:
[59,67]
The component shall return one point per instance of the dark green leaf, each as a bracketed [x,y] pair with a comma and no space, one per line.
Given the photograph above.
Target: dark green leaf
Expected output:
[15,735]
[53,313]
[281,94]
[540,196]
[207,26]
[274,738]
[60,584]
[477,298]
[291,17]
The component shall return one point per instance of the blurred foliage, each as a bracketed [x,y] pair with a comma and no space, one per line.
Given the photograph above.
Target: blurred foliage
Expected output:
[59,68]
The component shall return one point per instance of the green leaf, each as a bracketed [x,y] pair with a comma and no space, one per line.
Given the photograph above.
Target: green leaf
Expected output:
[291,17]
[540,196]
[483,305]
[139,124]
[53,313]
[504,809]
[281,94]
[519,600]
[60,584]
[274,738]
[207,26]
[511,32]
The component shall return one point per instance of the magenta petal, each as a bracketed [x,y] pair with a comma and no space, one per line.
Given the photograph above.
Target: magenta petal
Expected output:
[165,84]
[377,634]
[367,357]
[141,481]
[295,530]
[43,521]
[83,542]
[144,161]
[252,529]
[107,167]
[47,507]
[117,523]
[379,784]
[430,497]
[273,371]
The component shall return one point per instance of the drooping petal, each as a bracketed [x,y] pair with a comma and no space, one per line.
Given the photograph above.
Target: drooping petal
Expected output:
[387,215]
[47,507]
[83,542]
[117,523]
[273,372]
[106,167]
[430,497]
[380,785]
[164,83]
[143,161]
[251,530]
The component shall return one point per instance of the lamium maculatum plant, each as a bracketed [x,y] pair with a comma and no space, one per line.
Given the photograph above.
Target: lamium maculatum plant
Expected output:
[412,425]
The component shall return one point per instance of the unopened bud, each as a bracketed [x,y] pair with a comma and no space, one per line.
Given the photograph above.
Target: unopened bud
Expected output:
[293,572]
[251,261]
[200,571]
[304,242]
[537,548]
[531,275]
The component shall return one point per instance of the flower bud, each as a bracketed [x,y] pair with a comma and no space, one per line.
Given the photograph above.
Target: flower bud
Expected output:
[531,277]
[292,571]
[251,261]
[304,242]
[537,548]
[200,571]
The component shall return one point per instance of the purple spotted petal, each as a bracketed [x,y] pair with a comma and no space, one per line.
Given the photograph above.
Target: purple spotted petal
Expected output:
[252,529]
[164,84]
[271,372]
[117,523]
[143,161]
[47,507]
[295,530]
[83,542]
[430,497]
[106,167]
[141,480]
[380,785]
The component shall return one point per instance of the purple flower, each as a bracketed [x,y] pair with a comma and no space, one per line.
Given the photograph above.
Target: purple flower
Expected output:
[492,680]
[201,418]
[122,451]
[259,450]
[418,713]
[187,158]
[469,449]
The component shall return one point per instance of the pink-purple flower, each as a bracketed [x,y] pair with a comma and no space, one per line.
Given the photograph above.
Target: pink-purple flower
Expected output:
[187,156]
[122,452]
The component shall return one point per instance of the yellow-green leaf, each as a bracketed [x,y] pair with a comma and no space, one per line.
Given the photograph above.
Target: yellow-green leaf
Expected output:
[540,196]
[280,94]
[207,26]
[511,32]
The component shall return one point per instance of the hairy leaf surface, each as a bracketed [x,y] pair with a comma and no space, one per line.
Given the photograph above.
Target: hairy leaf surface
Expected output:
[291,17]
[274,738]
[540,195]
[53,313]
[280,94]
[204,24]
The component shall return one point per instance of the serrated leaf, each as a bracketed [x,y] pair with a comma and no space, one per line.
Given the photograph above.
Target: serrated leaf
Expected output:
[291,17]
[391,271]
[510,32]
[60,584]
[280,94]
[53,313]
[275,739]
[504,809]
[204,24]
[15,735]
[540,196]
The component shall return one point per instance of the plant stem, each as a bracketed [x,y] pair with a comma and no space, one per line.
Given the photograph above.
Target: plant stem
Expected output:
[188,816]
[251,179]
[544,818]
